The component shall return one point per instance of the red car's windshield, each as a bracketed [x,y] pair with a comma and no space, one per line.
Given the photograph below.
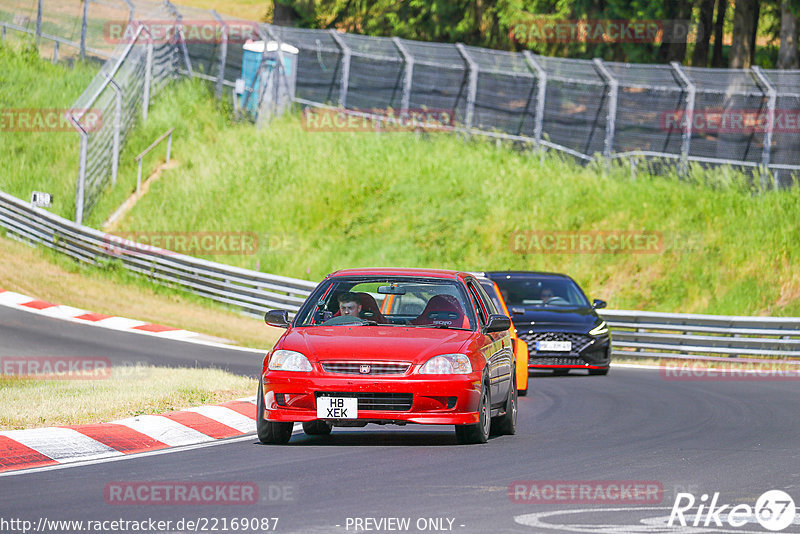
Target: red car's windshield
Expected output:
[400,301]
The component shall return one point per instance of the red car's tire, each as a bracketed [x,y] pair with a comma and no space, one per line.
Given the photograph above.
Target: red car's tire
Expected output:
[478,432]
[270,433]
[507,423]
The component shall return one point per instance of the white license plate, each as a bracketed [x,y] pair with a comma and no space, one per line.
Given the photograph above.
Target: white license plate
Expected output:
[554,346]
[337,408]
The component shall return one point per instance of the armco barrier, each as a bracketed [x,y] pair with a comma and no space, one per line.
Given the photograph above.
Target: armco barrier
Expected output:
[635,334]
[252,291]
[640,334]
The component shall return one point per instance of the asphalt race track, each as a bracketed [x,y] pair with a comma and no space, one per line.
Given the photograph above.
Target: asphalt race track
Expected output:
[738,438]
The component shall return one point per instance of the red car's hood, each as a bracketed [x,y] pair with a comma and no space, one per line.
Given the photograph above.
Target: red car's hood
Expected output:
[392,343]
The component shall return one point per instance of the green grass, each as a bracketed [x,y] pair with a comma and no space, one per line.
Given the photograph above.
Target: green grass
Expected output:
[39,161]
[125,392]
[325,201]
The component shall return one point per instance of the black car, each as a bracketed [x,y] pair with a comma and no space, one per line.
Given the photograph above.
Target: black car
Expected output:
[553,316]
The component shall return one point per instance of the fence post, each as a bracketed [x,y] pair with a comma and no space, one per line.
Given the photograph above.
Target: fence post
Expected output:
[182,38]
[613,89]
[771,95]
[408,61]
[79,191]
[38,24]
[473,84]
[344,85]
[117,124]
[223,53]
[541,91]
[55,51]
[148,74]
[84,25]
[688,122]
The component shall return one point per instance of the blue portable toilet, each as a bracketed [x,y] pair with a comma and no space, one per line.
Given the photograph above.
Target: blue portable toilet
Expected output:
[252,62]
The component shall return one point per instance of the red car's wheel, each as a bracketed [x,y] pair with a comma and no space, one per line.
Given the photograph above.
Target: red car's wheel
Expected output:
[507,423]
[478,432]
[270,433]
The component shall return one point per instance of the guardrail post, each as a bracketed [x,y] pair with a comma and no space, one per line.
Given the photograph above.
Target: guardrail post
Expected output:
[3,33]
[611,119]
[408,61]
[38,24]
[541,91]
[117,125]
[473,84]
[686,135]
[84,26]
[771,95]
[344,84]
[223,53]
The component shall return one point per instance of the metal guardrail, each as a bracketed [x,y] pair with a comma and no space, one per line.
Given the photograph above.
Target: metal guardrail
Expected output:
[635,334]
[251,291]
[640,334]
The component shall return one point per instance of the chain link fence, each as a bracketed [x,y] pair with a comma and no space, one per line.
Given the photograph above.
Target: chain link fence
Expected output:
[664,115]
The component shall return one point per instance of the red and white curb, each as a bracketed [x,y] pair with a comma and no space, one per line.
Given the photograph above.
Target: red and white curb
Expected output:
[40,447]
[41,307]
[44,447]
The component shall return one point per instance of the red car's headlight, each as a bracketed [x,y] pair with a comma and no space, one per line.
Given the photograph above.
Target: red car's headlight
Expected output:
[447,364]
[289,360]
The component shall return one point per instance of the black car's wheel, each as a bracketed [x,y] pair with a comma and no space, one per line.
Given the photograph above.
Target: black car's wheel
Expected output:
[478,432]
[507,423]
[317,428]
[522,392]
[595,372]
[270,433]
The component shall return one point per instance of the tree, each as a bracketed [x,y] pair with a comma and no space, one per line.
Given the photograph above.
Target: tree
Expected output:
[719,28]
[788,54]
[744,24]
[705,27]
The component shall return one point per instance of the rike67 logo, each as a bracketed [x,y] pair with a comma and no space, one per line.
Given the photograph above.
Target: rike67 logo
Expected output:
[774,510]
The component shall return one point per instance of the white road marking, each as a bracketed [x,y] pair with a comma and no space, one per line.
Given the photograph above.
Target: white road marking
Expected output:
[226,416]
[165,430]
[61,444]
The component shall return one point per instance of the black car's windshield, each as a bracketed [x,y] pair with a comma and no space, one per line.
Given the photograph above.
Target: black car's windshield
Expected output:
[398,301]
[539,292]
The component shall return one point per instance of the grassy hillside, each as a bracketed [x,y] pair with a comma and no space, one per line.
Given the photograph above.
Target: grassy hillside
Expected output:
[39,161]
[325,201]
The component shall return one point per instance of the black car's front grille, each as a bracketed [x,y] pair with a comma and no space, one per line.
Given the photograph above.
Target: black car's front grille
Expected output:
[579,342]
[366,368]
[383,402]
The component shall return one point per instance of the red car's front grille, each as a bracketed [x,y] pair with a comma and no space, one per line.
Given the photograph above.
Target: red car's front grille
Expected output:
[366,368]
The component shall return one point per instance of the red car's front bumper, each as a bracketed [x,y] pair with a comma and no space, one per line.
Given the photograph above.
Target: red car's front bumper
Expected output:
[435,400]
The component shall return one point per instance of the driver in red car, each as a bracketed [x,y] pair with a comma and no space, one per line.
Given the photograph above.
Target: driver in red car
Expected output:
[349,304]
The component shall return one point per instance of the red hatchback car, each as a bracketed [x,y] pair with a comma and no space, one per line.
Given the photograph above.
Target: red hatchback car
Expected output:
[443,356]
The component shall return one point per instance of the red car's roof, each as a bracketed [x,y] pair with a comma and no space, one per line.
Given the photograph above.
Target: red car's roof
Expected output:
[370,271]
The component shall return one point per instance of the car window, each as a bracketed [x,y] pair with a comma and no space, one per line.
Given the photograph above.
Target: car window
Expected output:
[390,301]
[540,292]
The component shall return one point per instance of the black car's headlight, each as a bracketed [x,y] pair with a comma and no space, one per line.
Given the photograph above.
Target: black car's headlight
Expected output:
[599,330]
